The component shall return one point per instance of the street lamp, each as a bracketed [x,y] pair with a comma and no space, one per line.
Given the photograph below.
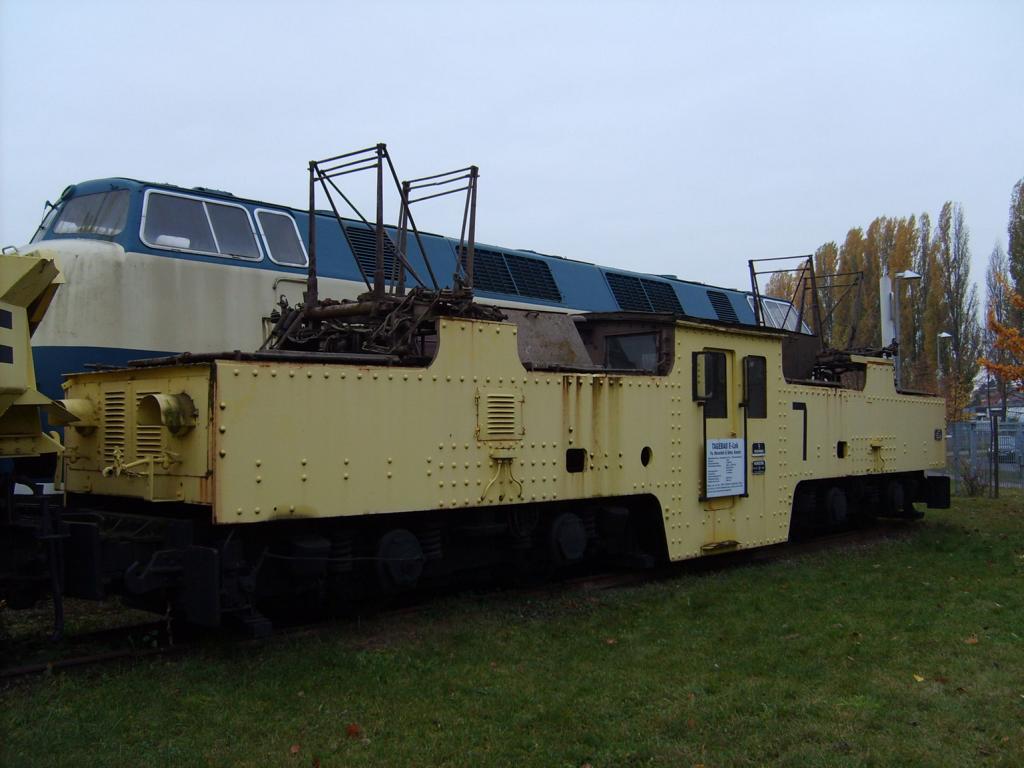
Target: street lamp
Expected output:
[907,274]
[942,335]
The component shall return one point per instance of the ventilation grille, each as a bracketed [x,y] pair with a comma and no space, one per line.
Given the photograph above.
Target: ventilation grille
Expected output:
[114,423]
[662,296]
[497,272]
[363,242]
[148,438]
[628,293]
[634,294]
[723,307]
[532,278]
[500,416]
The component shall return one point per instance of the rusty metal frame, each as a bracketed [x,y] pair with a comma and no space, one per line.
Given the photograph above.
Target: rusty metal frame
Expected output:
[324,173]
[446,183]
[387,317]
[848,281]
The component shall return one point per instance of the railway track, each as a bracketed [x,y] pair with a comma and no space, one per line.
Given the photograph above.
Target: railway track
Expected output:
[159,638]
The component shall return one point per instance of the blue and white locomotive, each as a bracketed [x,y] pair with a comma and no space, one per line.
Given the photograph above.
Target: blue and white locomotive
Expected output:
[154,269]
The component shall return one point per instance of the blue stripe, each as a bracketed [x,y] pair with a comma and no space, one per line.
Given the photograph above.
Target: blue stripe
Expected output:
[52,363]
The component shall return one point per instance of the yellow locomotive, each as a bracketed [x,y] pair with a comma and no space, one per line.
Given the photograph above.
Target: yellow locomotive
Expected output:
[413,434]
[637,436]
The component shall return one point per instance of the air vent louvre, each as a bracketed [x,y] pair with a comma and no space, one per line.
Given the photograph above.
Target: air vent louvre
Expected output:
[114,423]
[723,307]
[634,294]
[490,273]
[662,297]
[628,292]
[497,272]
[363,242]
[500,416]
[532,278]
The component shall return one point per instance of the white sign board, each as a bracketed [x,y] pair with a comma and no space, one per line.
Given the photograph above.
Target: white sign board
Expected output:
[724,460]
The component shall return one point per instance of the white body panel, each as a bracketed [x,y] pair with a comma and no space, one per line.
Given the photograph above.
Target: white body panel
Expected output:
[120,300]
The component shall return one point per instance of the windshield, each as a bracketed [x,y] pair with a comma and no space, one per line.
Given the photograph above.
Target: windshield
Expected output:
[101,213]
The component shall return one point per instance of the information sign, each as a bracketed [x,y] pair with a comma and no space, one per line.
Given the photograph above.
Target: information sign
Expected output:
[724,463]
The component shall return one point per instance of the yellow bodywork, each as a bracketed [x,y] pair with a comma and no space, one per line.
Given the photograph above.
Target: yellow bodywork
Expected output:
[27,284]
[291,440]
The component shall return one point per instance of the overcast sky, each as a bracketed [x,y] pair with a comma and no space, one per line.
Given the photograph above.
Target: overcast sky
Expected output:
[666,137]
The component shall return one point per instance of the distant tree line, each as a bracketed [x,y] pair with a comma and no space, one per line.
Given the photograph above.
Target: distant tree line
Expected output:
[943,340]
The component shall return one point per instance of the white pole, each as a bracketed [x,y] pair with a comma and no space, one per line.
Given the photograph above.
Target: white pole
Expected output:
[896,312]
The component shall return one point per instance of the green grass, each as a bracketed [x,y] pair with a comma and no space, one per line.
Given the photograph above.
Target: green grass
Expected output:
[855,657]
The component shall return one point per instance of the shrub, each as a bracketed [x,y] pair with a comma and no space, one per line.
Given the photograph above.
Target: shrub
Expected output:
[972,481]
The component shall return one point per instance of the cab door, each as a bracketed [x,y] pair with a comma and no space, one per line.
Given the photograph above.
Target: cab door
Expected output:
[717,386]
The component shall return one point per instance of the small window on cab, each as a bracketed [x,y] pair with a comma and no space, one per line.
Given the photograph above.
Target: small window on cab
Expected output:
[281,237]
[101,213]
[632,352]
[182,223]
[755,386]
[710,383]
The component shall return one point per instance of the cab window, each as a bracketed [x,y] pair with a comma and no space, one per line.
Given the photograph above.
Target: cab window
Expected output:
[717,405]
[101,213]
[755,386]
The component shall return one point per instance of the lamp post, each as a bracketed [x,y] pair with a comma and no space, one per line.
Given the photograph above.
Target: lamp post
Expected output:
[942,335]
[907,274]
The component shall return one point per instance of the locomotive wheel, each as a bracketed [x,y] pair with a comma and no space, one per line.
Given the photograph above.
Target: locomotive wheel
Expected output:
[567,538]
[836,506]
[399,559]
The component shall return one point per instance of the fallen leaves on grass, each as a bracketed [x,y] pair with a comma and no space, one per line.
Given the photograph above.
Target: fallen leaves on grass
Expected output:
[972,640]
[919,678]
[354,731]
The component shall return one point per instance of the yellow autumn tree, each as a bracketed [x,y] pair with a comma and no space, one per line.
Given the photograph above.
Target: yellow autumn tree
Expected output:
[1008,339]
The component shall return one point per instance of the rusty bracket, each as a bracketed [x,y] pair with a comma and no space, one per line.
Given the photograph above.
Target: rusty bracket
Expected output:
[504,463]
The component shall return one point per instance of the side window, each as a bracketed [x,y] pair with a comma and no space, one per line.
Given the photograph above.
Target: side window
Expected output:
[638,352]
[101,213]
[177,222]
[755,387]
[190,224]
[281,236]
[233,231]
[717,405]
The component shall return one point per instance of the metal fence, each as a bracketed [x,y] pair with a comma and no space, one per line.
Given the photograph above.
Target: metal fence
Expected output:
[977,462]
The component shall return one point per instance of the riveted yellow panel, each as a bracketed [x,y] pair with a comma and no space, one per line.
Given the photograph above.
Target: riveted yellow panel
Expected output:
[120,456]
[284,440]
